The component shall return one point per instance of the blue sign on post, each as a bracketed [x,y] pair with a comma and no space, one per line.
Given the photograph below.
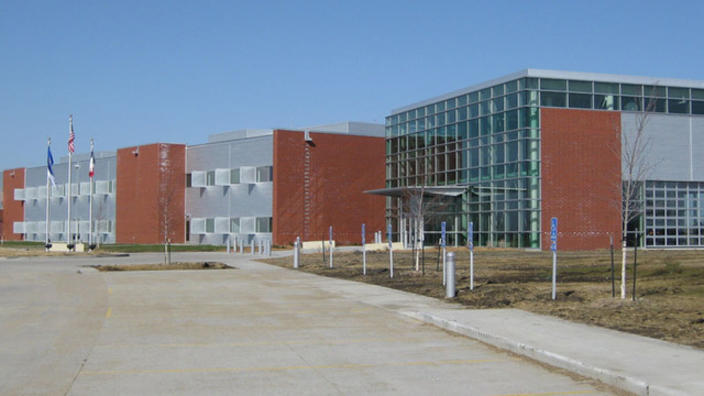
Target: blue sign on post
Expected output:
[363,232]
[388,233]
[470,236]
[553,234]
[442,237]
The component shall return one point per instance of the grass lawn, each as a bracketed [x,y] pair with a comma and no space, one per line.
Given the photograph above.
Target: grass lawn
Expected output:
[669,291]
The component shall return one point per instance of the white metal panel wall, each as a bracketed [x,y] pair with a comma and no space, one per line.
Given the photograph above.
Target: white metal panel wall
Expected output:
[675,151]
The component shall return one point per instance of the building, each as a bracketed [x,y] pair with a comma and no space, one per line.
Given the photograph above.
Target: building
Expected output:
[273,184]
[511,153]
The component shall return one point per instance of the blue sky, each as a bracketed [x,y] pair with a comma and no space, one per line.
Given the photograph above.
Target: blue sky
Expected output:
[137,72]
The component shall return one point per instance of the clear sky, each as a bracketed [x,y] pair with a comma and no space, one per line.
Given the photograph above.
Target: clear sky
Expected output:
[138,72]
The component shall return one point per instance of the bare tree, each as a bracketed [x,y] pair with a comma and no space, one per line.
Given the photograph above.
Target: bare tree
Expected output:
[421,208]
[167,199]
[636,165]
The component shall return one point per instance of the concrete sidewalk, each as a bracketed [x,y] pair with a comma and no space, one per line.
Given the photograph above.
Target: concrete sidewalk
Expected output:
[633,363]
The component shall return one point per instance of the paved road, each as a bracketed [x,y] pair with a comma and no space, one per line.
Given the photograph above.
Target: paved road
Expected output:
[254,330]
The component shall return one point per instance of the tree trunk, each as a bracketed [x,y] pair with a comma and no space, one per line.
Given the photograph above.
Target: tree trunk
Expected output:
[623,269]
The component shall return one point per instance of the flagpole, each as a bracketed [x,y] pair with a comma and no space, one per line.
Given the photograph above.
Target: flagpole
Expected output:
[46,238]
[68,194]
[90,197]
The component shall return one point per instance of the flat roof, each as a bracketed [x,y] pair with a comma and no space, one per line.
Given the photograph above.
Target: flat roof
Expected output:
[567,75]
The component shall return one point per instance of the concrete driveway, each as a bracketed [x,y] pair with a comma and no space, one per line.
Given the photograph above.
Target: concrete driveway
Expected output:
[257,329]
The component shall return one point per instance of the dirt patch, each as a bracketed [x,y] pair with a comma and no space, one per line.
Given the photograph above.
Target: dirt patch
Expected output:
[669,291]
[202,265]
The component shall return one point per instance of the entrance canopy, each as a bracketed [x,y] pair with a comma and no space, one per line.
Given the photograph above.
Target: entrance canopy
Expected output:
[447,191]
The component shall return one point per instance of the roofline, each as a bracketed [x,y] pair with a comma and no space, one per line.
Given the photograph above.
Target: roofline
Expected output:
[568,75]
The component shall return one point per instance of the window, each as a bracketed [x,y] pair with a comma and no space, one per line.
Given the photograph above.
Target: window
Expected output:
[210,178]
[264,174]
[263,224]
[606,102]
[553,99]
[581,86]
[580,101]
[209,225]
[235,225]
[188,180]
[552,84]
[235,176]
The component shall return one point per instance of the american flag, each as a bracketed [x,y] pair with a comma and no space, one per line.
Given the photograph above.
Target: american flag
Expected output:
[91,164]
[71,136]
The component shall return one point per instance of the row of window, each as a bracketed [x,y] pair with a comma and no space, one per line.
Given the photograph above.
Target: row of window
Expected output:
[226,177]
[59,191]
[527,117]
[674,213]
[581,94]
[226,225]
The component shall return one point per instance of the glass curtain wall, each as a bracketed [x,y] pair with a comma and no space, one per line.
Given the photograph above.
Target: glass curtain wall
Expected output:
[488,140]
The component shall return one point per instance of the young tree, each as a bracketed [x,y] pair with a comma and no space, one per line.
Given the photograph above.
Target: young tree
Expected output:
[167,200]
[421,208]
[636,165]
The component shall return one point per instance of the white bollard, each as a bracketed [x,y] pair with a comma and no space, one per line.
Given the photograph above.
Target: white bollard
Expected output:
[450,287]
[251,248]
[260,247]
[297,252]
[228,246]
[241,247]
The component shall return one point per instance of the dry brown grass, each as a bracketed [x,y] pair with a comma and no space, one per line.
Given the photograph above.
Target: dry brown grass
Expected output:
[670,285]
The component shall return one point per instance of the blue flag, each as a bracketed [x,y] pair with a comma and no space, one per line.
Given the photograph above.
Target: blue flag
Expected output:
[49,169]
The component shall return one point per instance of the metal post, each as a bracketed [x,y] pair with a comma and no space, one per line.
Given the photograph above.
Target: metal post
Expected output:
[450,287]
[391,251]
[48,195]
[331,249]
[90,199]
[554,273]
[227,245]
[444,253]
[260,247]
[470,244]
[613,280]
[296,252]
[553,247]
[68,194]
[364,251]
[251,248]
[241,247]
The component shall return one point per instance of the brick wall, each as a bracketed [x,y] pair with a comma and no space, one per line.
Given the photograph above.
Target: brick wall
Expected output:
[13,210]
[581,177]
[147,183]
[341,168]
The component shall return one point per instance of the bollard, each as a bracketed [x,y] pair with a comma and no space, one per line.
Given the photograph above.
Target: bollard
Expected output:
[228,246]
[234,245]
[364,250]
[241,247]
[251,247]
[450,286]
[268,247]
[260,247]
[297,252]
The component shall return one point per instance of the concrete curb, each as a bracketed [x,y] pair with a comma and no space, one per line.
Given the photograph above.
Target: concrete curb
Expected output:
[629,384]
